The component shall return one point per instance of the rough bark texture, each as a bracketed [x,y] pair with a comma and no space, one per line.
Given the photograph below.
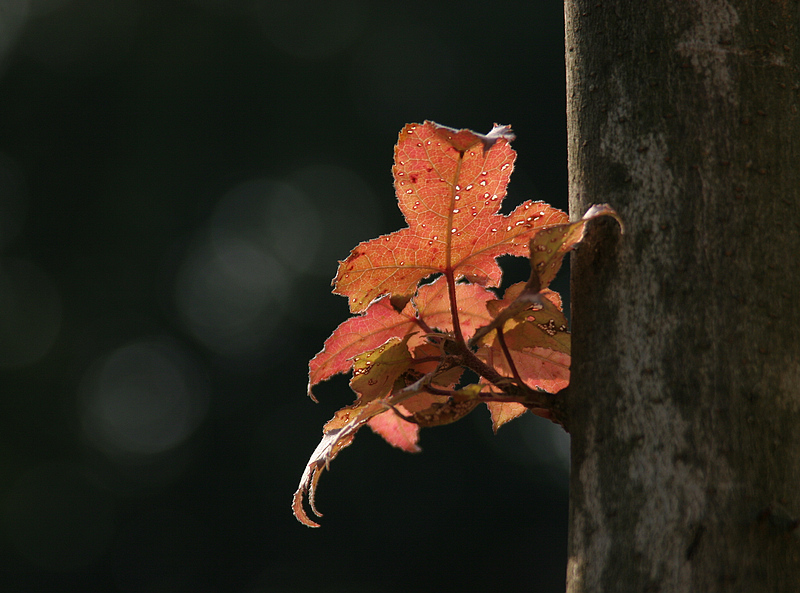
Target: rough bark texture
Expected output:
[685,403]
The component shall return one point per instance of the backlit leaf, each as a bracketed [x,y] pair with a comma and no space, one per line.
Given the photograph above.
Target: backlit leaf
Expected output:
[503,412]
[449,185]
[433,306]
[549,246]
[382,322]
[451,409]
[544,327]
[527,322]
[395,430]
[540,368]
[357,335]
[374,373]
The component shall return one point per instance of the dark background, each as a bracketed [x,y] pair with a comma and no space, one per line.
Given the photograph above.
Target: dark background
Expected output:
[178,179]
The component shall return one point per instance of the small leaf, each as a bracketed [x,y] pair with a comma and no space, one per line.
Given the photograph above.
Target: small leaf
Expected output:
[543,328]
[453,408]
[548,246]
[540,368]
[540,319]
[503,412]
[357,335]
[433,306]
[374,372]
[332,442]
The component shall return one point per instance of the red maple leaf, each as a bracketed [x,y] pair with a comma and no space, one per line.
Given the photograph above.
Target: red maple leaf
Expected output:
[430,308]
[449,185]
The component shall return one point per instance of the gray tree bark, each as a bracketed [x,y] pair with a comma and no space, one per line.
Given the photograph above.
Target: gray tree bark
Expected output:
[685,393]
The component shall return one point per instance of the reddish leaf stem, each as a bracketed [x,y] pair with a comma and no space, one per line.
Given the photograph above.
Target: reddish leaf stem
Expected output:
[501,338]
[436,391]
[425,327]
[469,360]
[427,359]
[520,391]
[449,275]
[451,289]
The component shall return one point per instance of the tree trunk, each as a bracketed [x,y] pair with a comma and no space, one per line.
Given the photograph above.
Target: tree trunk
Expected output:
[685,393]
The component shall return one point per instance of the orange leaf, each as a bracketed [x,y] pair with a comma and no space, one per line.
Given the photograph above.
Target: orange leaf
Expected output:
[549,246]
[396,431]
[373,376]
[433,306]
[503,412]
[538,367]
[357,335]
[449,185]
[374,372]
[381,322]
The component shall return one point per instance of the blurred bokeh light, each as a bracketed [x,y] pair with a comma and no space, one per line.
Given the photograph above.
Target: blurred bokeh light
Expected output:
[178,180]
[231,294]
[143,399]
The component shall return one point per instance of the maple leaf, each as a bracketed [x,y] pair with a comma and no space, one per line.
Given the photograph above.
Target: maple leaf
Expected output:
[503,412]
[540,368]
[374,373]
[430,308]
[449,185]
[527,322]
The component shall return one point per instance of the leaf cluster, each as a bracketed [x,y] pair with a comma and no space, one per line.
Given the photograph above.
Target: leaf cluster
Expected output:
[430,338]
